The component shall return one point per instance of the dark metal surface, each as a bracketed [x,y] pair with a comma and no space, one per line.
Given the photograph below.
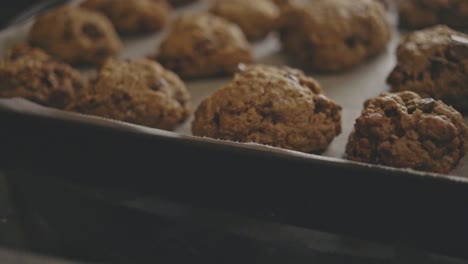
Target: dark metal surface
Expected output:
[392,207]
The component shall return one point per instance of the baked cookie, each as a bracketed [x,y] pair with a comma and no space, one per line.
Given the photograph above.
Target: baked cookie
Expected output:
[32,74]
[132,17]
[424,13]
[434,63]
[255,18]
[75,35]
[140,92]
[334,35]
[405,131]
[203,45]
[274,106]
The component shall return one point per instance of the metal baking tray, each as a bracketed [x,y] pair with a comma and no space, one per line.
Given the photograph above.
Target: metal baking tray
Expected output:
[324,192]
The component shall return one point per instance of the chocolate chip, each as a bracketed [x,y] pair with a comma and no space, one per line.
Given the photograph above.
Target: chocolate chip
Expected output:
[68,31]
[204,47]
[352,41]
[216,120]
[457,52]
[437,66]
[158,85]
[92,31]
[391,112]
[275,118]
[60,97]
[427,105]
[397,77]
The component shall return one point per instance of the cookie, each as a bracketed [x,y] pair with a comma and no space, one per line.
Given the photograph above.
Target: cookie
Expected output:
[334,35]
[132,17]
[203,45]
[256,18]
[434,63]
[417,14]
[406,131]
[273,106]
[140,92]
[32,74]
[75,35]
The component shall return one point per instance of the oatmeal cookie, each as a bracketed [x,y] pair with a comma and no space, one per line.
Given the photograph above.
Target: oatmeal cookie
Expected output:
[204,45]
[416,14]
[32,74]
[334,35]
[406,131]
[140,92]
[434,63]
[132,17]
[274,106]
[255,18]
[75,35]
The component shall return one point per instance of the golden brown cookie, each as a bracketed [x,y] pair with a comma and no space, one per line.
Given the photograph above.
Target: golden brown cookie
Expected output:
[274,106]
[334,35]
[255,18]
[405,131]
[203,45]
[32,74]
[75,35]
[434,63]
[135,16]
[140,92]
[416,14]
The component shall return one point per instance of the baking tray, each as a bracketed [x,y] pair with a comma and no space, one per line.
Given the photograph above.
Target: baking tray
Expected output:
[90,224]
[323,192]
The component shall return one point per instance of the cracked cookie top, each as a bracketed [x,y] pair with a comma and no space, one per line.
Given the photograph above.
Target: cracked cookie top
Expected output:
[135,16]
[75,35]
[140,92]
[425,13]
[406,131]
[334,35]
[255,18]
[203,45]
[274,106]
[433,63]
[32,74]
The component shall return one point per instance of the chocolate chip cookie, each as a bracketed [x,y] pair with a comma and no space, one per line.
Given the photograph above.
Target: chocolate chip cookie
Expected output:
[334,35]
[434,63]
[140,92]
[75,35]
[406,131]
[203,45]
[274,106]
[424,13]
[255,18]
[132,17]
[32,74]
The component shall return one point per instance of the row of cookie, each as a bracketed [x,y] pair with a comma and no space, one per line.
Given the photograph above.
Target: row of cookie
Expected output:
[282,107]
[140,92]
[203,45]
[264,104]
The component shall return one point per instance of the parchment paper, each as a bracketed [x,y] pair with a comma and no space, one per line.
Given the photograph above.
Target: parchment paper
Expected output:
[350,89]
